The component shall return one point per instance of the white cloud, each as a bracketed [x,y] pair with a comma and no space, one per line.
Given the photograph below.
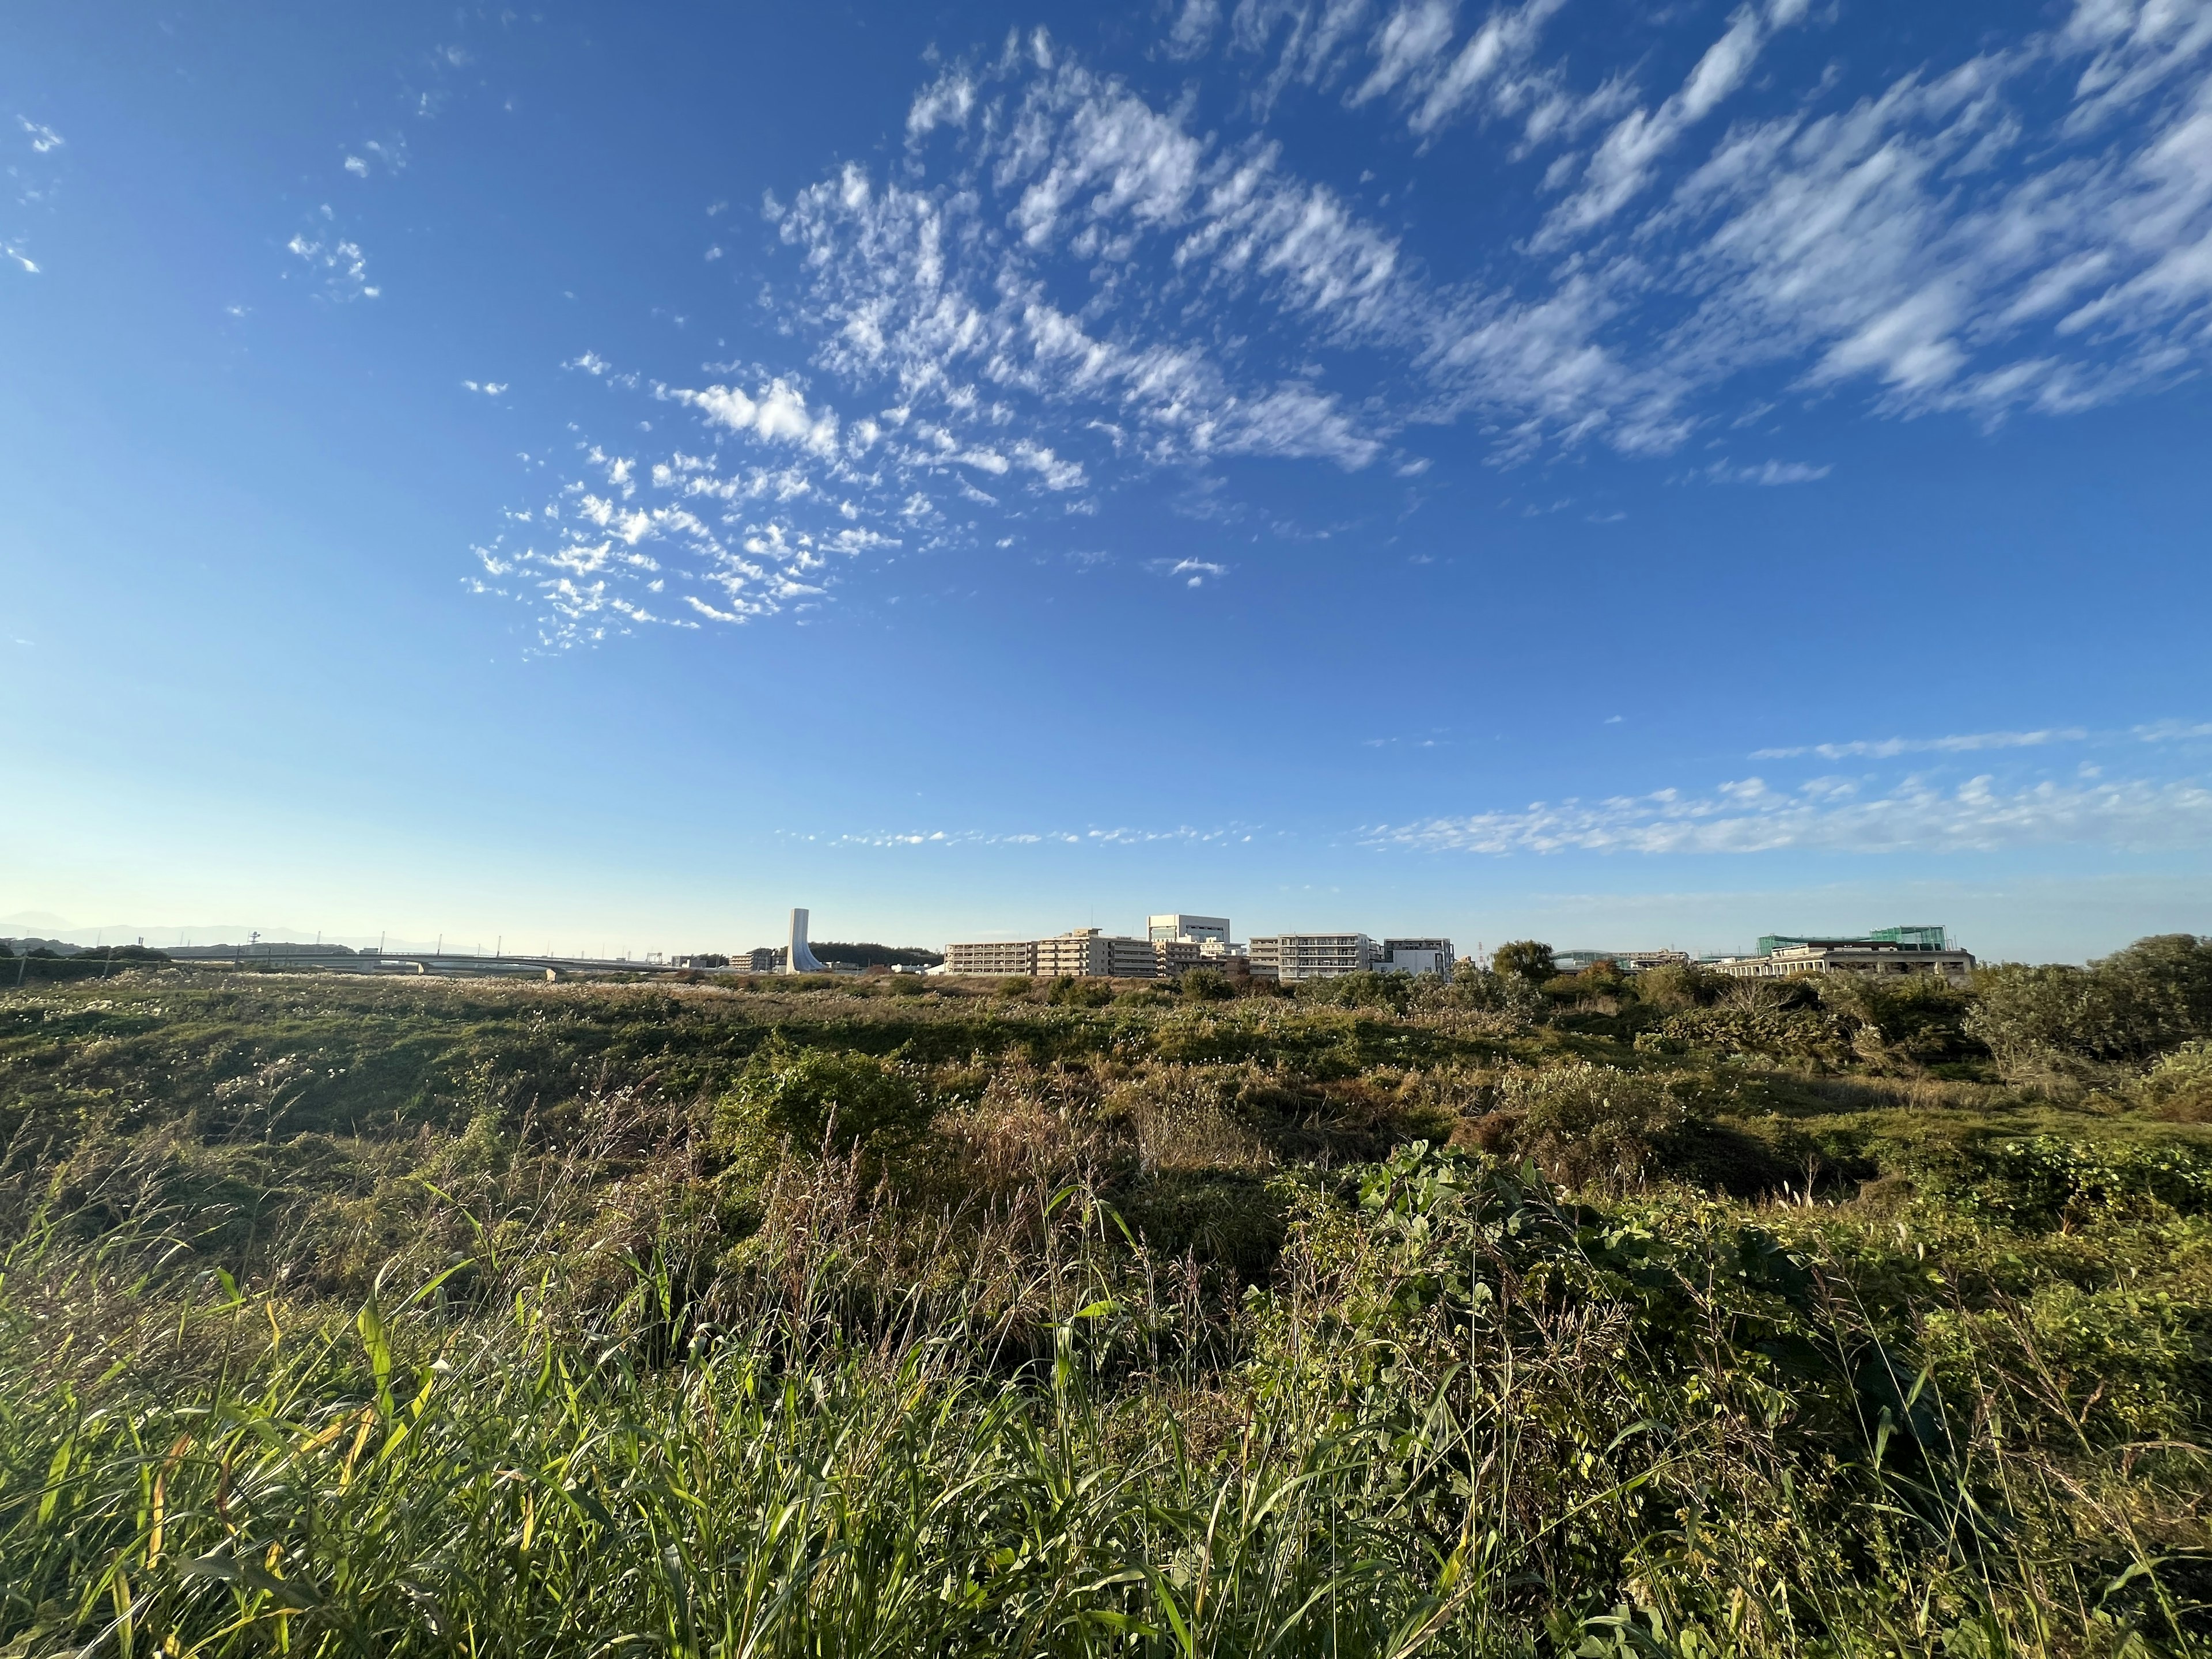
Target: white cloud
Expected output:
[489,388]
[778,414]
[1064,281]
[1626,160]
[1193,572]
[1828,815]
[1118,835]
[1888,748]
[2174,731]
[1767,472]
[336,259]
[43,138]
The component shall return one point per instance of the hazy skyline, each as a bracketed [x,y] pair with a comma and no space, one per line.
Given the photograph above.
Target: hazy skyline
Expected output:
[601,480]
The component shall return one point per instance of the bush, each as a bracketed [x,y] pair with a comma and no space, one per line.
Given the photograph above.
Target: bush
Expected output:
[1675,986]
[2054,1017]
[1490,992]
[1207,984]
[1772,1030]
[1018,985]
[1583,1123]
[1360,990]
[2179,1086]
[2153,996]
[1524,958]
[1070,992]
[1918,1018]
[814,1095]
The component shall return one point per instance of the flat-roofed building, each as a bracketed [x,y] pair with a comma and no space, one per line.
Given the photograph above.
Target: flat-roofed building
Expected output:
[1873,955]
[1173,958]
[1195,930]
[1416,956]
[1629,961]
[999,957]
[1086,953]
[1292,957]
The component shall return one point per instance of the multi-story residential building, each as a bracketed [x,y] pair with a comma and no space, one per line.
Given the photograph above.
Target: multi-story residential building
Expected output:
[1890,950]
[1292,957]
[1086,953]
[1173,958]
[1416,956]
[993,956]
[1083,952]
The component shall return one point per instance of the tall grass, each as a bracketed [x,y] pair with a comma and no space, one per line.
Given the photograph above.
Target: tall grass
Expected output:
[1469,1418]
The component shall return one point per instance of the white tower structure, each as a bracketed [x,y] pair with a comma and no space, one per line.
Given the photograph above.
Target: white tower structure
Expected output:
[798,960]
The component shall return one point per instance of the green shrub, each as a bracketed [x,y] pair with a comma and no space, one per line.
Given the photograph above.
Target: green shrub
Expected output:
[1360,990]
[1584,1122]
[811,1096]
[1524,958]
[2155,995]
[1070,991]
[1675,986]
[1744,1028]
[1916,1019]
[1207,984]
[2179,1087]
[2043,1180]
[1017,985]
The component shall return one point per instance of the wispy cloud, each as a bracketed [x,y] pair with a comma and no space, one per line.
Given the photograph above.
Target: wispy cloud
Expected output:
[1120,835]
[2174,731]
[43,138]
[1193,572]
[1888,748]
[1064,282]
[1831,815]
[335,260]
[1768,473]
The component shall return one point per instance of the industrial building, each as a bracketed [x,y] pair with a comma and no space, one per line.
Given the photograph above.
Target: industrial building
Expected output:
[1913,950]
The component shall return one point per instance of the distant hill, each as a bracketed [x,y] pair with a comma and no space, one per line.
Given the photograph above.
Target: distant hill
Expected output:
[878,955]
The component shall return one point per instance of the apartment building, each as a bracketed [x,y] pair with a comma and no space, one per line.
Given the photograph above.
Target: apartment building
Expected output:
[1083,952]
[1292,956]
[1087,953]
[1000,957]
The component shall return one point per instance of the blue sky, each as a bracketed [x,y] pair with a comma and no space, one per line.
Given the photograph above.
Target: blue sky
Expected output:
[595,479]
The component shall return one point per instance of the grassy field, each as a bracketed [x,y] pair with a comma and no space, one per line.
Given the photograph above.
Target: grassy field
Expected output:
[886,1316]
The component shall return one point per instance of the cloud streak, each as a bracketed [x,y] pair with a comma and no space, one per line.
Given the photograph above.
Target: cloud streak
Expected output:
[1828,815]
[1964,744]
